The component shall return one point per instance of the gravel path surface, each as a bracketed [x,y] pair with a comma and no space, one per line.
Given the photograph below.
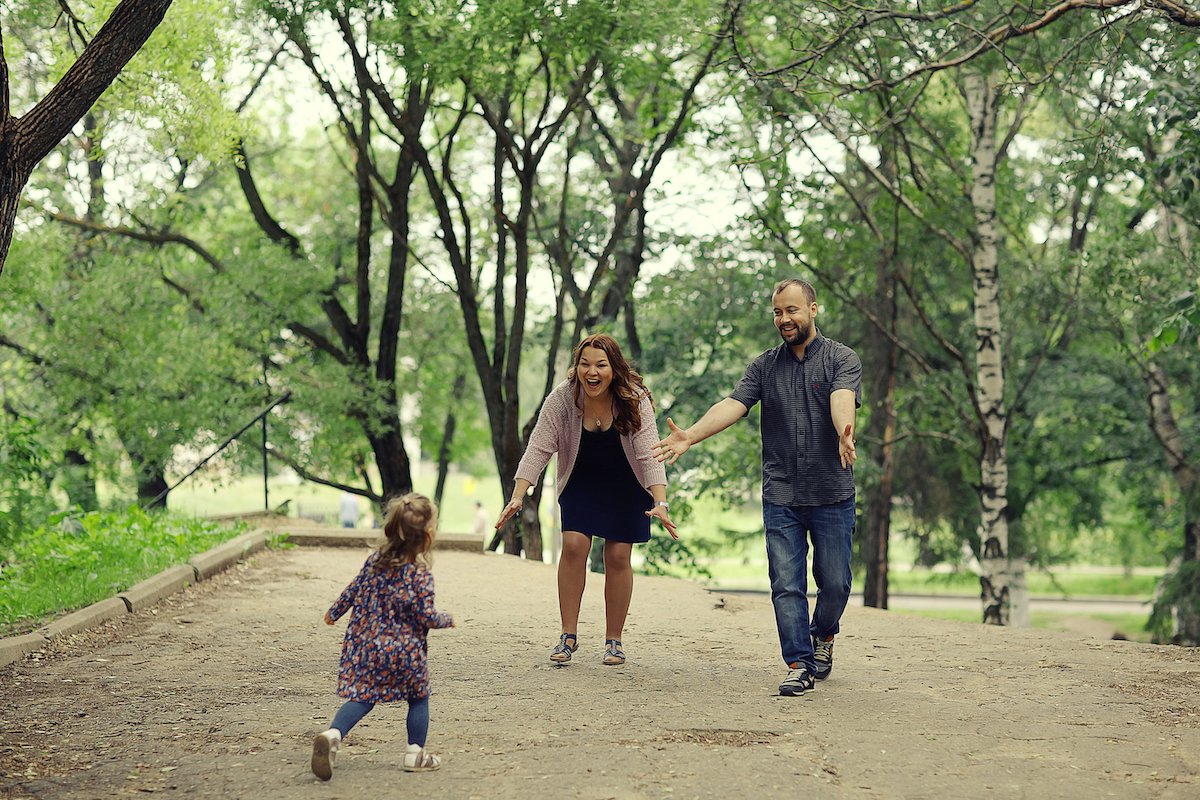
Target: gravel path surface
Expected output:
[218,691]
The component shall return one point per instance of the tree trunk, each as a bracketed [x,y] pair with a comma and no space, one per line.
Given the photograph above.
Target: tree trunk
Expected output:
[1187,477]
[25,140]
[885,357]
[982,105]
[879,496]
[456,393]
[395,473]
[151,480]
[80,481]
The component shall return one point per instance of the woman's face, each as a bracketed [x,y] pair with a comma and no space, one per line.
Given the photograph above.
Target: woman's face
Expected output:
[594,372]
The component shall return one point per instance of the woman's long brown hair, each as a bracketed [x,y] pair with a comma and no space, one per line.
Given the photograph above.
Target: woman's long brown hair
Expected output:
[627,386]
[408,528]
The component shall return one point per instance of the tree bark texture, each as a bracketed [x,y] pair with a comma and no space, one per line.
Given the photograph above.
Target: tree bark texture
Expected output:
[883,415]
[982,99]
[1187,477]
[26,140]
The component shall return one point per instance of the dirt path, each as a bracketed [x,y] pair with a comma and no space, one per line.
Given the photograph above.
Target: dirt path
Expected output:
[219,692]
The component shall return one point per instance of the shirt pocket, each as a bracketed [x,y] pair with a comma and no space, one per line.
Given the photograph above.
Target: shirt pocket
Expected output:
[820,392]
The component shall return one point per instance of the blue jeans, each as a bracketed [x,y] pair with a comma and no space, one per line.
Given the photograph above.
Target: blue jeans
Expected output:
[788,529]
[354,710]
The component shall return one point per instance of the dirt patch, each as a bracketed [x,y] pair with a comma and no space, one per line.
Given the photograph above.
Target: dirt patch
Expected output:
[218,692]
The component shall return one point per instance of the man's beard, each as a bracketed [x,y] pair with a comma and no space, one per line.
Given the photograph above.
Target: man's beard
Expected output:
[801,334]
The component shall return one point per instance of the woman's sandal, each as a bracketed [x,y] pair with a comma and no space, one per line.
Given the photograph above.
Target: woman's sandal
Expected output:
[613,654]
[561,653]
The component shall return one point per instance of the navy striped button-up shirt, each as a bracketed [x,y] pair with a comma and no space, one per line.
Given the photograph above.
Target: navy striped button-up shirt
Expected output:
[801,466]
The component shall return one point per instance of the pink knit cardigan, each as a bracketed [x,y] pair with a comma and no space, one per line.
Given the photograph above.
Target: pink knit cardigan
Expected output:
[559,427]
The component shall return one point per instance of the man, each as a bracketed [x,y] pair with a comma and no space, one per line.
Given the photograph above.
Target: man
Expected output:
[348,510]
[483,521]
[809,387]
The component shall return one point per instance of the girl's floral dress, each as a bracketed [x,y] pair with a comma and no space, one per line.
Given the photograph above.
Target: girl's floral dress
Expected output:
[384,653]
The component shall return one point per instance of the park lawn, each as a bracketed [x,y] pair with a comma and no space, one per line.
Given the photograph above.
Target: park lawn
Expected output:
[64,567]
[751,573]
[1132,626]
[1068,583]
[312,501]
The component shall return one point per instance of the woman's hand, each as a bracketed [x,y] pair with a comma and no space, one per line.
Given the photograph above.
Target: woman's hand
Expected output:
[509,510]
[664,516]
[328,619]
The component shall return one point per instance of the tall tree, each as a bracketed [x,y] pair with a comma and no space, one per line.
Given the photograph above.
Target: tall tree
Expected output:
[27,138]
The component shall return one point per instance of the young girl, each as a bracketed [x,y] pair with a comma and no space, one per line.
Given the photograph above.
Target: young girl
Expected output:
[384,653]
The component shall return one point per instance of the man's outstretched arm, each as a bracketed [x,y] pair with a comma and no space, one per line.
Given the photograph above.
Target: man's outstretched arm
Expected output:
[716,419]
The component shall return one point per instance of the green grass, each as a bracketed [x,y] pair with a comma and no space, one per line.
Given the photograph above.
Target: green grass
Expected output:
[1132,626]
[63,567]
[1068,583]
[750,572]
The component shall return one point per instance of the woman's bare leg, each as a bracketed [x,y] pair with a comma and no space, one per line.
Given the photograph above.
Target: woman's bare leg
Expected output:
[572,576]
[618,587]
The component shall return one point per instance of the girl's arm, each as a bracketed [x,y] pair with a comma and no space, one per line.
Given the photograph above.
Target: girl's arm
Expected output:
[431,617]
[346,598]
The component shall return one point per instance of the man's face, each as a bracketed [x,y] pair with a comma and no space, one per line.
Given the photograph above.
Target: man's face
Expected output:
[794,315]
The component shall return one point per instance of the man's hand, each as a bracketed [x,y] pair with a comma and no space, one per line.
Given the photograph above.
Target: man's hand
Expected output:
[672,447]
[846,447]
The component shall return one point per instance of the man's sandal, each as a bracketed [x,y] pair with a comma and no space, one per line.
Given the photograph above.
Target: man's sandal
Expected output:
[561,653]
[613,654]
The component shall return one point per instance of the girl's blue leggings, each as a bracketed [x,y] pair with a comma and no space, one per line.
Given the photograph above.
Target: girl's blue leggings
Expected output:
[418,718]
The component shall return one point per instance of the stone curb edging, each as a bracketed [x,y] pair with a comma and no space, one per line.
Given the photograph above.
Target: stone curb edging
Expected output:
[202,567]
[92,616]
[145,594]
[14,648]
[224,556]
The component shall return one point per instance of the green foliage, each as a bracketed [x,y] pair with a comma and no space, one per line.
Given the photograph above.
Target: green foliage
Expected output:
[1178,595]
[24,496]
[75,560]
[666,556]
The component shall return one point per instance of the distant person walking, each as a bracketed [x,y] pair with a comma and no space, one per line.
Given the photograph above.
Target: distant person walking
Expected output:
[600,422]
[482,521]
[809,387]
[384,652]
[348,510]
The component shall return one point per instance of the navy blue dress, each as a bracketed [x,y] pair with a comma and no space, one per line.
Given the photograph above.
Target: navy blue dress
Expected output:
[603,497]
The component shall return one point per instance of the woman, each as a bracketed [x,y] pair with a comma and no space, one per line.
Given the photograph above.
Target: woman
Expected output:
[600,421]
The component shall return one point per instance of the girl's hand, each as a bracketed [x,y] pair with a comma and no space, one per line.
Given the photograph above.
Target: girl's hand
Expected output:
[509,510]
[328,619]
[662,515]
